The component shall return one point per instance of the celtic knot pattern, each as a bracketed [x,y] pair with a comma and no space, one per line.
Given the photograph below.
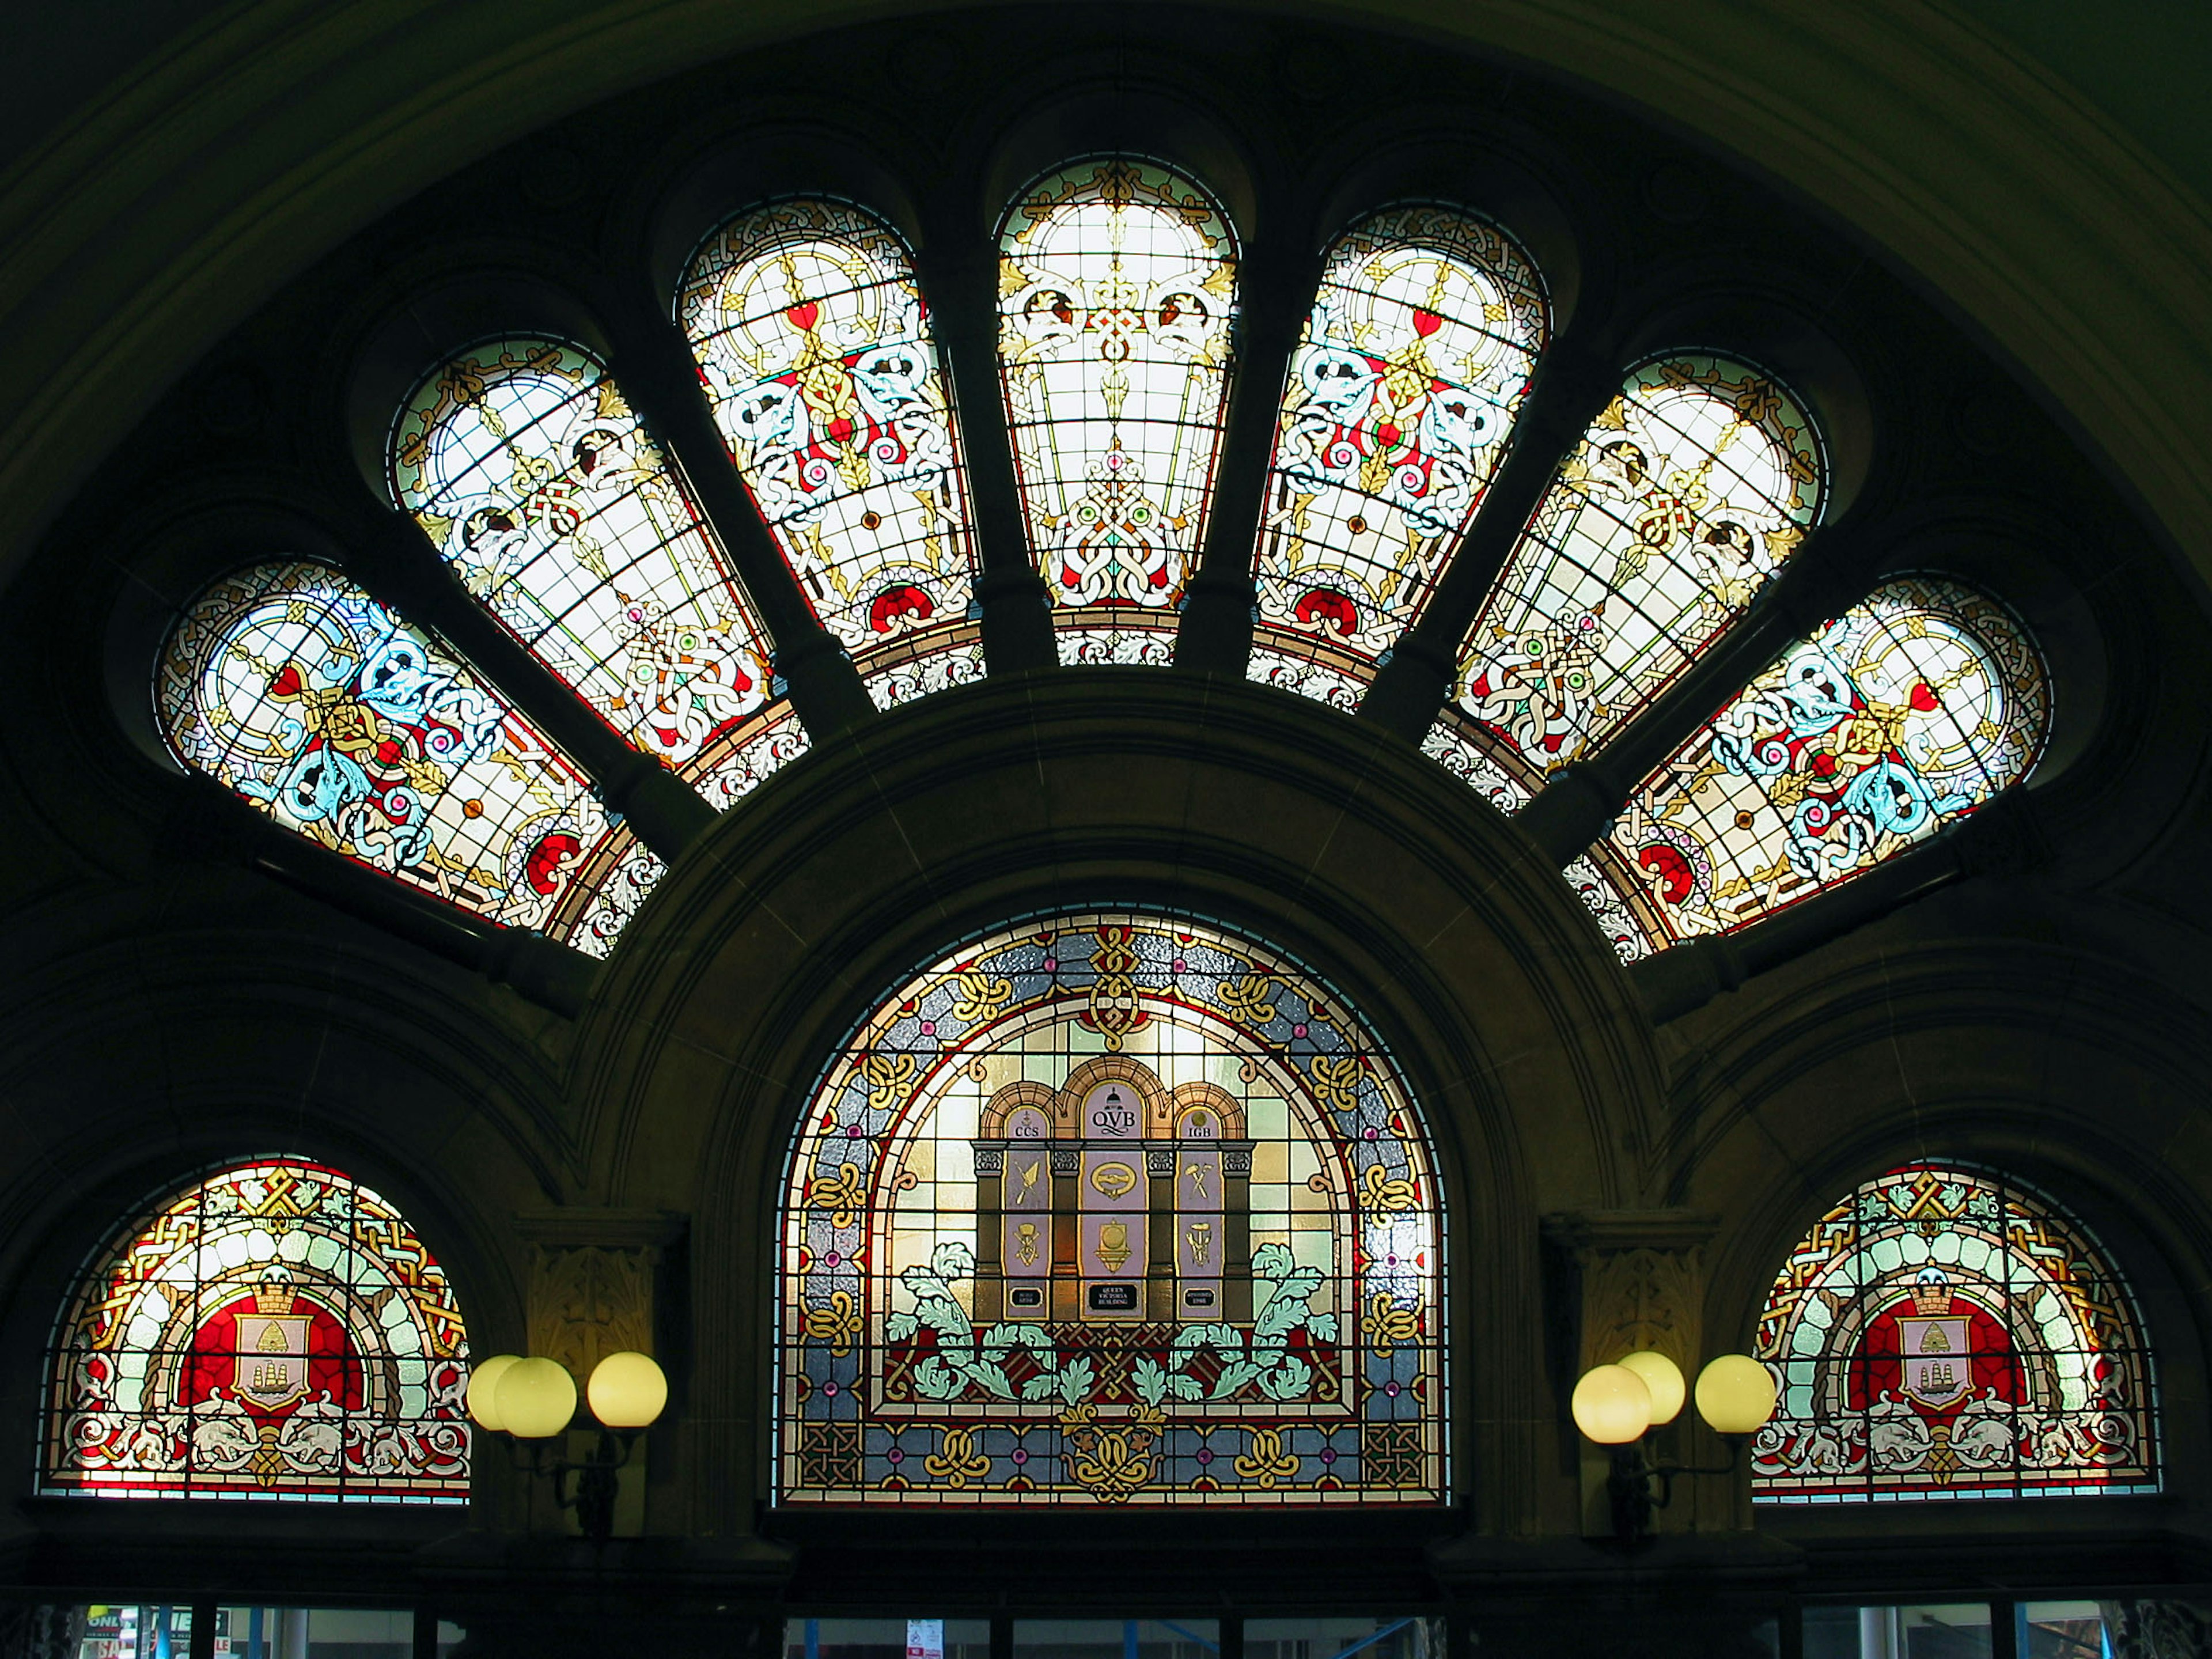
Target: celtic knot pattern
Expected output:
[275,1329]
[1941,1329]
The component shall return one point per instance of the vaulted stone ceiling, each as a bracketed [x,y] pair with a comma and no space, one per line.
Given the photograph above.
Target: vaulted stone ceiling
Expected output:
[2045,179]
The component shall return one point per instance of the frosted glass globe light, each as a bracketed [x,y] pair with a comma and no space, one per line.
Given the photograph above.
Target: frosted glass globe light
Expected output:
[536,1398]
[483,1381]
[1611,1406]
[1736,1393]
[627,1390]
[1664,1378]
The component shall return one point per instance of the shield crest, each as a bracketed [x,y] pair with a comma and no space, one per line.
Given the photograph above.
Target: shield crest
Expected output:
[1938,1372]
[271,1366]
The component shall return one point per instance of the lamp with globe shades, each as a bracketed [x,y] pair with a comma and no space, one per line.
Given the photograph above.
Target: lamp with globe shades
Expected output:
[531,1400]
[1617,1404]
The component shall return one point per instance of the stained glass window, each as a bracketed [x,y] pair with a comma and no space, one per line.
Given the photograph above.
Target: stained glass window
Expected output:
[1414,360]
[815,349]
[1945,1332]
[274,1330]
[1108,1208]
[320,706]
[1117,283]
[542,490]
[1693,489]
[1902,715]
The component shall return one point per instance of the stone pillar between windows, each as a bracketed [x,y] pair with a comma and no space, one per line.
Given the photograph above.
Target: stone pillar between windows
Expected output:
[1638,1283]
[593,1279]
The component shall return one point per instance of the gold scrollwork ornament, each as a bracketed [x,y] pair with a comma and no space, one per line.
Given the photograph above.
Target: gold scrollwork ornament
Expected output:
[1112,1463]
[1264,1462]
[956,1461]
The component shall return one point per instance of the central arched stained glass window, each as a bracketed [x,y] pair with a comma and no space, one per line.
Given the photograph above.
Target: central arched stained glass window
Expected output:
[1112,1208]
[1117,283]
[815,349]
[1415,357]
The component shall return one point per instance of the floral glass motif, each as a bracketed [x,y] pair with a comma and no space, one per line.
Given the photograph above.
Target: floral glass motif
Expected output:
[537,483]
[1693,489]
[1111,1208]
[274,1330]
[815,346]
[1117,283]
[320,706]
[1903,715]
[1414,360]
[1945,1332]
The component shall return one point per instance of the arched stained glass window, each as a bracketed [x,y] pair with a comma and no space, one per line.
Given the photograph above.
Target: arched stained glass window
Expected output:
[1418,349]
[1944,1332]
[1112,1208]
[1906,712]
[816,347]
[536,482]
[1117,283]
[273,1330]
[324,709]
[1693,487]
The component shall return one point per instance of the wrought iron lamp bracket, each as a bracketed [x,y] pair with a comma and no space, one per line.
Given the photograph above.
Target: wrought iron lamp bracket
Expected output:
[1629,1485]
[593,1498]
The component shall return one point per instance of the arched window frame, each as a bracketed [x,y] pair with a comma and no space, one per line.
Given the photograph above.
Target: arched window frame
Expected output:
[513,832]
[345,1379]
[1393,418]
[678,662]
[833,407]
[1967,1402]
[1826,787]
[1116,501]
[1631,570]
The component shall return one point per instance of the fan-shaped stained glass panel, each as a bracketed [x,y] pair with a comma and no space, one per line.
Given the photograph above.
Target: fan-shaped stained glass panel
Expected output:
[1414,360]
[1905,713]
[537,483]
[815,345]
[320,706]
[1112,1208]
[1945,1332]
[1693,487]
[274,1330]
[1117,284]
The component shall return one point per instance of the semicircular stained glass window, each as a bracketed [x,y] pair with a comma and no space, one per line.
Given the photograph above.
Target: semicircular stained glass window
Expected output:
[1692,489]
[1112,1208]
[541,489]
[323,708]
[1117,284]
[815,345]
[1418,349]
[1903,715]
[1944,1332]
[273,1330]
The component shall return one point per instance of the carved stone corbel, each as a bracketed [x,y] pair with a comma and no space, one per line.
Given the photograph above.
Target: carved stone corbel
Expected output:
[1637,1278]
[591,1281]
[1640,1281]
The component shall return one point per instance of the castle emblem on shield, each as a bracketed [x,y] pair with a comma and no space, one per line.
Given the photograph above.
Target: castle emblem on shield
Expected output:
[271,1366]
